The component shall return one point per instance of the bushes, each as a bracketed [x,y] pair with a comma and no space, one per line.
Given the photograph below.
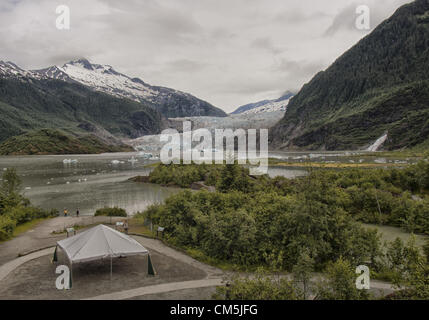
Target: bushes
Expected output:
[14,208]
[19,215]
[369,195]
[244,229]
[260,288]
[111,212]
[249,219]
[7,226]
[340,283]
[26,214]
[179,175]
[224,177]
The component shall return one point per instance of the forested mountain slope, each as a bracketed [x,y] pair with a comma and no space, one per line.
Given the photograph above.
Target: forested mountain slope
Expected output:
[27,104]
[380,85]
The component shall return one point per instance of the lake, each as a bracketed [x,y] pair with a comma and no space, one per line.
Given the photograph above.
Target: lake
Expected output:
[89,182]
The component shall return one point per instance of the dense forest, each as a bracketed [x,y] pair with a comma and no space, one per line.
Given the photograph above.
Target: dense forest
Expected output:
[395,197]
[28,105]
[249,222]
[49,141]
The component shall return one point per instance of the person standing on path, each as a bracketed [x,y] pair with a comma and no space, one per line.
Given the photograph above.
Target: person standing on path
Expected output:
[77,212]
[65,212]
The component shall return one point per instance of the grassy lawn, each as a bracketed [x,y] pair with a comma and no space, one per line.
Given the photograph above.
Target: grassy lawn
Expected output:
[25,227]
[136,226]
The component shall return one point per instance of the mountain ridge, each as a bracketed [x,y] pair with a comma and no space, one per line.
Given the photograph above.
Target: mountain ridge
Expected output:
[28,104]
[104,78]
[279,104]
[377,86]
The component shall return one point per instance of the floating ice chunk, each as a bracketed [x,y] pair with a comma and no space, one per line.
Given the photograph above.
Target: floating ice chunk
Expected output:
[381,160]
[133,160]
[69,161]
[145,155]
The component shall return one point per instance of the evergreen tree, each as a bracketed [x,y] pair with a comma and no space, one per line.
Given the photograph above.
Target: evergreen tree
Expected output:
[302,273]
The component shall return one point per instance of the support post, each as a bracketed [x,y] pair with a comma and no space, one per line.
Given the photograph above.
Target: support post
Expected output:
[71,275]
[150,269]
[55,257]
[111,268]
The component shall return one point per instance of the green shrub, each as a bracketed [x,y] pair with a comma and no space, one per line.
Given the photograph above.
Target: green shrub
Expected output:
[7,226]
[111,212]
[259,288]
[23,214]
[340,283]
[426,251]
[241,228]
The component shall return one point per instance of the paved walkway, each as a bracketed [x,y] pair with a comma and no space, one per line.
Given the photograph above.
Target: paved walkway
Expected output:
[161,288]
[37,238]
[159,246]
[7,268]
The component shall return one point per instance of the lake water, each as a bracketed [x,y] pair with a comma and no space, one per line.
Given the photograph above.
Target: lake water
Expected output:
[92,182]
[97,181]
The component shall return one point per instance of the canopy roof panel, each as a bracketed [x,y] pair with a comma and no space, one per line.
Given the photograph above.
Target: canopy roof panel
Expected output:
[98,243]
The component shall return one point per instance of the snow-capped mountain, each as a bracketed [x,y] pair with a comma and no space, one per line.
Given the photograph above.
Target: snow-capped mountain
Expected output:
[8,69]
[265,106]
[103,78]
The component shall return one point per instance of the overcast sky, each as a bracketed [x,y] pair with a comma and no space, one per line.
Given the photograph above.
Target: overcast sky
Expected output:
[228,52]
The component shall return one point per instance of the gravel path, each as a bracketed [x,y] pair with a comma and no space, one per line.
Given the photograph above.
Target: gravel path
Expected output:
[8,267]
[158,289]
[212,272]
[37,238]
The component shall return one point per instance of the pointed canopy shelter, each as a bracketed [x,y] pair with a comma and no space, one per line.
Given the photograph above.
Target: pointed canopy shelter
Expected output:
[101,242]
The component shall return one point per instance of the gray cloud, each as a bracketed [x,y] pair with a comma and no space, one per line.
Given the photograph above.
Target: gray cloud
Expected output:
[346,17]
[228,52]
[299,69]
[185,66]
[265,43]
